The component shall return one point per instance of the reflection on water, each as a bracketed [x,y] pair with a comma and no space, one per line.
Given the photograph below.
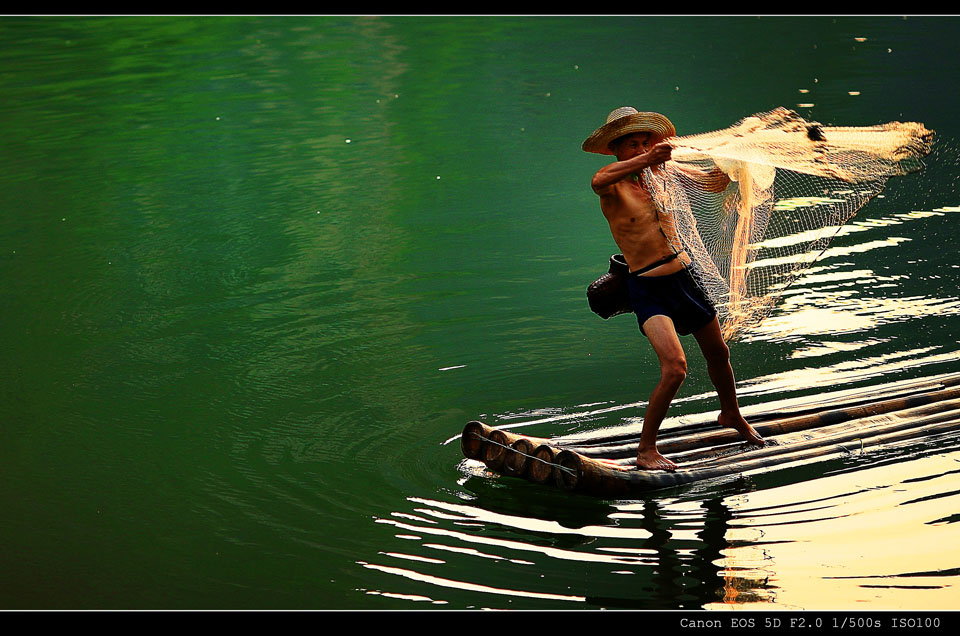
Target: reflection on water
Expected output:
[838,297]
[881,535]
[884,528]
[847,372]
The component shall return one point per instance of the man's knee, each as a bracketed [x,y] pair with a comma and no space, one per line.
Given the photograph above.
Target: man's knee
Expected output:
[673,370]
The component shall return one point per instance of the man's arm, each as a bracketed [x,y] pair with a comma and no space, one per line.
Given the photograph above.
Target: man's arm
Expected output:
[614,172]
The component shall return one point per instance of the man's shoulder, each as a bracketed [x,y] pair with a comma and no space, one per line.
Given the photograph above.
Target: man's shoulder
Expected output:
[609,190]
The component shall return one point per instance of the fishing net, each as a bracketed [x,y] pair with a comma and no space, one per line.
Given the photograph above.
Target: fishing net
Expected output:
[754,204]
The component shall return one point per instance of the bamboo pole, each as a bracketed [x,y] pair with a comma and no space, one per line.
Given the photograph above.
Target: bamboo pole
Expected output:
[604,443]
[588,476]
[485,443]
[761,413]
[495,452]
[517,461]
[865,428]
[775,427]
[540,469]
[473,439]
[584,475]
[507,453]
[542,461]
[804,422]
[645,482]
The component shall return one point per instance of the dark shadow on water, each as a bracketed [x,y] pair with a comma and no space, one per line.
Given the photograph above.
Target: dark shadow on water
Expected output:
[521,498]
[680,578]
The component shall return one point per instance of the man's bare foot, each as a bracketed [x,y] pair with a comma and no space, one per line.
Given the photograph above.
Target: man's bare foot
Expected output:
[653,460]
[736,421]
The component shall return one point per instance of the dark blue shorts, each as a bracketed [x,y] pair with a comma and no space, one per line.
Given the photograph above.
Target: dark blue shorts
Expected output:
[676,296]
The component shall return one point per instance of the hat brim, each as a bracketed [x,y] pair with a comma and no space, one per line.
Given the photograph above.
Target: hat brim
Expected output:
[657,125]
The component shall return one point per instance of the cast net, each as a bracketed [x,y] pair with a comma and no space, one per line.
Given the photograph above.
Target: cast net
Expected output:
[754,204]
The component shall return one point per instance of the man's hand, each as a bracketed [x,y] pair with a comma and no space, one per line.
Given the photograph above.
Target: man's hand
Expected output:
[658,154]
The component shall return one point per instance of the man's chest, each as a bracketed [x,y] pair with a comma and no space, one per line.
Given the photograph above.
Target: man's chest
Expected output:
[628,202]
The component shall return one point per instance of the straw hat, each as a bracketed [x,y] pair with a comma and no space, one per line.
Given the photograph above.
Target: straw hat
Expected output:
[624,121]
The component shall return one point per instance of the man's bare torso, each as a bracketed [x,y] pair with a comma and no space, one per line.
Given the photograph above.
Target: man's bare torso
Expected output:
[636,227]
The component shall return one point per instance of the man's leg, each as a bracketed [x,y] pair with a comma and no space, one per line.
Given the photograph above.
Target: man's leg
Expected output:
[673,370]
[717,354]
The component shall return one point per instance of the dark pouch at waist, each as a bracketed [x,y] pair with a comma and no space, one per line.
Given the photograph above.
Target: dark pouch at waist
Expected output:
[608,295]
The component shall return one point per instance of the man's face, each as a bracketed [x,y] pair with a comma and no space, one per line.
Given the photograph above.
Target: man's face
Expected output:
[632,145]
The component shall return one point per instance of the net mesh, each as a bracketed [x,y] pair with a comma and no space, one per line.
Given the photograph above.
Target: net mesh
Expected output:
[756,203]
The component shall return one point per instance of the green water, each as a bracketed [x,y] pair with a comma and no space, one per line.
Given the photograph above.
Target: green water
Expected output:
[257,272]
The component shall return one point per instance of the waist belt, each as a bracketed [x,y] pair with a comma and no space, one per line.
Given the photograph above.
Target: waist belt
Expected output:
[662,261]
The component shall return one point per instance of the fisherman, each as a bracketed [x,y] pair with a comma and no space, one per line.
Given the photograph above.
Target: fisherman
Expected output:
[663,294]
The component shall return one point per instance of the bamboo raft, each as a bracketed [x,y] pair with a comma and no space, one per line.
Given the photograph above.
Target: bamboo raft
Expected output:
[601,463]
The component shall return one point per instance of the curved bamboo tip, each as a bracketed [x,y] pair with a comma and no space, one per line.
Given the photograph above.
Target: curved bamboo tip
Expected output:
[569,475]
[497,450]
[517,460]
[474,439]
[540,468]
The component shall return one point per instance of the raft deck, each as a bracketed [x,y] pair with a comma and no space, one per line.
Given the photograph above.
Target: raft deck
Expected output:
[601,463]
